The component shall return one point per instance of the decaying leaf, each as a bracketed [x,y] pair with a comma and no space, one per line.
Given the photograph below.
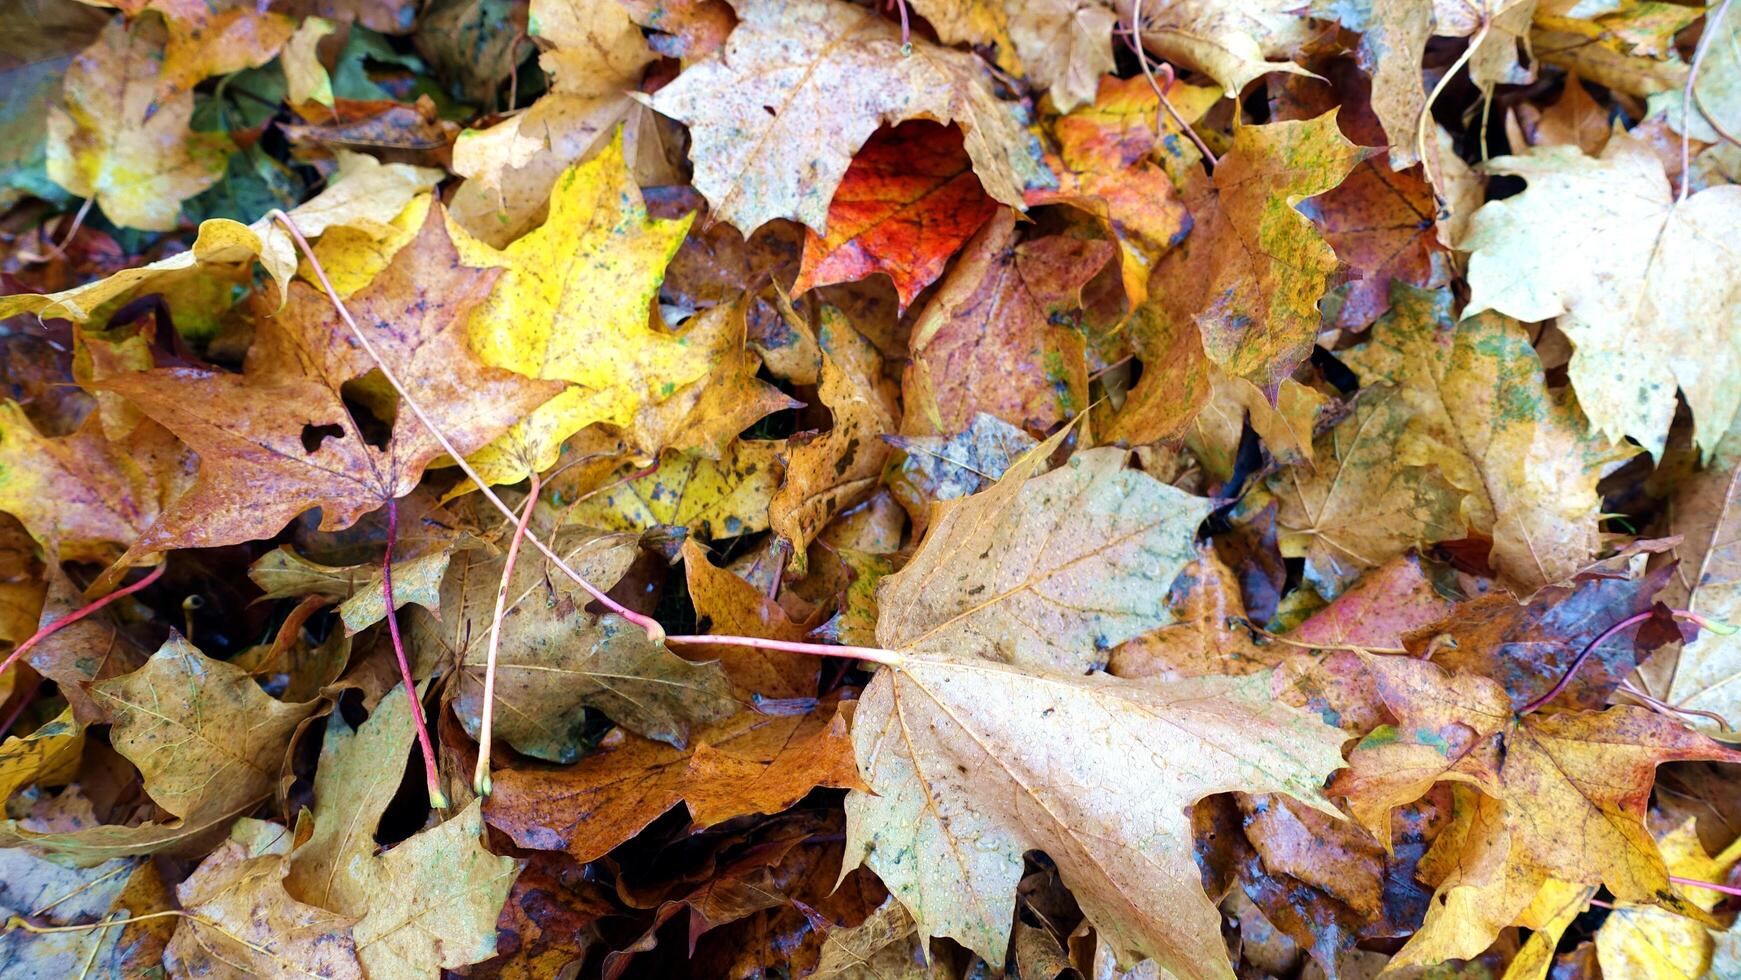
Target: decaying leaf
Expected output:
[1045,571]
[117,143]
[283,422]
[1251,272]
[748,763]
[1640,283]
[960,787]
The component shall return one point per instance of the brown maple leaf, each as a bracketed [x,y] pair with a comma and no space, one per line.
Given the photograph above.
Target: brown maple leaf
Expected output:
[279,438]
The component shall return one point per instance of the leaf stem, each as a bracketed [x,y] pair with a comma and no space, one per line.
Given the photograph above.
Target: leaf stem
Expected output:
[1426,120]
[1142,59]
[1688,99]
[49,629]
[1713,886]
[431,775]
[876,655]
[481,775]
[1686,615]
[654,631]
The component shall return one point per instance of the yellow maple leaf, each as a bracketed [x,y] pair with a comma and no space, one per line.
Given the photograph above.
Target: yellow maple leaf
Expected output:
[573,305]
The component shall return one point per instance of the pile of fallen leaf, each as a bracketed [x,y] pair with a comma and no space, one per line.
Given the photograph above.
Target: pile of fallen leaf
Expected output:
[885,489]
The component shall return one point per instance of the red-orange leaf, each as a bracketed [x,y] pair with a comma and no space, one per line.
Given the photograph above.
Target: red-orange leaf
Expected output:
[908,201]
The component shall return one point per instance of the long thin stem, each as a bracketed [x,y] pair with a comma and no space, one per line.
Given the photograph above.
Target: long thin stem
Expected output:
[49,629]
[1601,638]
[1688,99]
[431,775]
[1426,120]
[486,725]
[1142,59]
[1696,883]
[654,630]
[876,655]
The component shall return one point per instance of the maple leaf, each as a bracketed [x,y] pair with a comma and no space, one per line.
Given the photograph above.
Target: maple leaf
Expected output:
[1251,272]
[243,921]
[1041,377]
[207,740]
[935,468]
[950,817]
[573,305]
[1118,184]
[429,902]
[226,42]
[272,425]
[366,194]
[776,115]
[1363,505]
[48,755]
[557,660]
[1480,411]
[432,901]
[729,604]
[706,415]
[1559,796]
[597,55]
[81,495]
[1706,516]
[718,499]
[828,472]
[137,158]
[1642,284]
[1231,43]
[908,202]
[748,763]
[1048,571]
[1653,941]
[1381,222]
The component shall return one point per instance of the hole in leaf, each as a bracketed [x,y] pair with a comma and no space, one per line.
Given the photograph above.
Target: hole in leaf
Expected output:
[314,435]
[373,405]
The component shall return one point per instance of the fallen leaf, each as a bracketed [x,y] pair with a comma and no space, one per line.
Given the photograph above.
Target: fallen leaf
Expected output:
[432,901]
[748,763]
[1251,272]
[207,740]
[242,922]
[937,468]
[1706,515]
[83,497]
[729,605]
[116,143]
[970,763]
[50,755]
[1481,412]
[557,662]
[1639,283]
[1232,44]
[1106,170]
[908,202]
[776,115]
[1382,223]
[1557,796]
[283,423]
[1362,505]
[1030,373]
[724,498]
[1049,571]
[366,194]
[708,414]
[830,471]
[1655,942]
[573,306]
[597,56]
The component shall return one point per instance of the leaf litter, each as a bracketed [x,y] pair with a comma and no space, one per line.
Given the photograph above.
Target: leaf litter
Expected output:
[816,488]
